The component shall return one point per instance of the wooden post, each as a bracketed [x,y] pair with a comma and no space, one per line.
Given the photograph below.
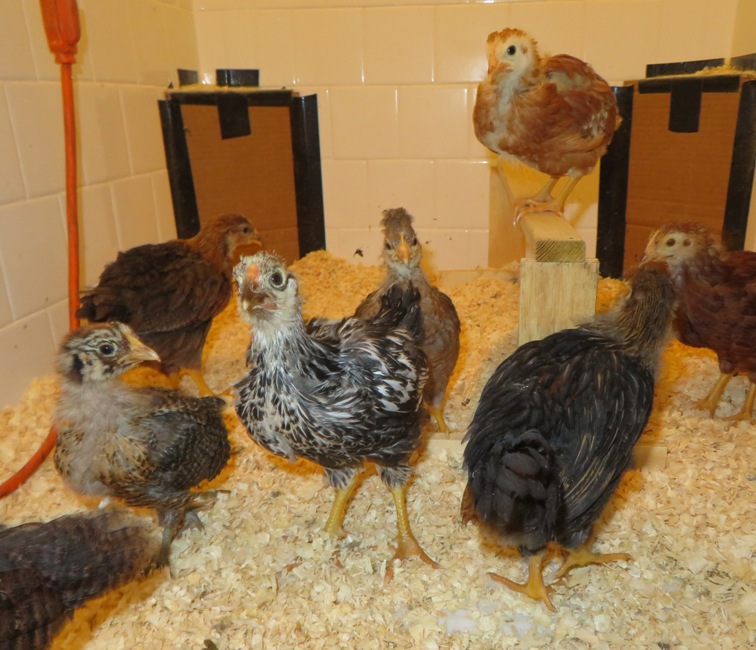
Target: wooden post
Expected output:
[557,284]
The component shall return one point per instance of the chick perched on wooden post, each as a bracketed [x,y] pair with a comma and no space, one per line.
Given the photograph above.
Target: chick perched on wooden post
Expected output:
[169,293]
[440,339]
[717,306]
[148,446]
[48,569]
[555,427]
[554,113]
[338,393]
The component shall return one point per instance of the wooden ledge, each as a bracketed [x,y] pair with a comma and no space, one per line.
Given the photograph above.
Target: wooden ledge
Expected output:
[551,238]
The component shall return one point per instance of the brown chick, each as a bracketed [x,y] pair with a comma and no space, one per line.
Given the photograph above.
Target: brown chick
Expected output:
[147,446]
[48,569]
[717,308]
[402,253]
[169,293]
[555,427]
[552,113]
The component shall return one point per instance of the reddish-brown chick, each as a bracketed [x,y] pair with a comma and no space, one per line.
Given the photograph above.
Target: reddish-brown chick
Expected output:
[169,293]
[552,113]
[717,307]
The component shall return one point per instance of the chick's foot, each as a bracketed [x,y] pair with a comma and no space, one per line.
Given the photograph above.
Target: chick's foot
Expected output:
[534,588]
[583,556]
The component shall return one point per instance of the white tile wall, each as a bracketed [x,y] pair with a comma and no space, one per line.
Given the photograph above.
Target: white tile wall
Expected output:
[398,45]
[396,83]
[33,254]
[11,180]
[97,231]
[134,206]
[37,121]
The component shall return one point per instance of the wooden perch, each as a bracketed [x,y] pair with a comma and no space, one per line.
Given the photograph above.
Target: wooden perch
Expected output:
[551,238]
[558,285]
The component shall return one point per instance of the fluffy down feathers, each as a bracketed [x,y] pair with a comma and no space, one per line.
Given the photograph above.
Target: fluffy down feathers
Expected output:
[49,569]
[554,113]
[147,446]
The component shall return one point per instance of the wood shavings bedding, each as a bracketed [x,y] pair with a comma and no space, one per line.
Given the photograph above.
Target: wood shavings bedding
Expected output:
[263,575]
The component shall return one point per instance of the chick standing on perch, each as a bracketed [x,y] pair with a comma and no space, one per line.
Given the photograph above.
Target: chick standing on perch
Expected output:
[552,113]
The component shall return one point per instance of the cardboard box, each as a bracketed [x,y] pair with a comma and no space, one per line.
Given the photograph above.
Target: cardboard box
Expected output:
[236,148]
[685,152]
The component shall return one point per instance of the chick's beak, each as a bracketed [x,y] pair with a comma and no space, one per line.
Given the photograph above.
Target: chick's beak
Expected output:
[497,68]
[250,294]
[139,351]
[403,251]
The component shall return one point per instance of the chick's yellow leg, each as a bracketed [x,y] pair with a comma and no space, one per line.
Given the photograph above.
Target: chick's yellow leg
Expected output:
[334,525]
[406,543]
[199,381]
[534,587]
[583,556]
[437,413]
[746,412]
[711,401]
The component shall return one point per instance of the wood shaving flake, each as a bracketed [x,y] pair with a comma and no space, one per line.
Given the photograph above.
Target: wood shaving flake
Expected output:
[262,574]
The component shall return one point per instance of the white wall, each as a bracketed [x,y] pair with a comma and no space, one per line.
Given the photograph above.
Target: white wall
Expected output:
[396,84]
[128,54]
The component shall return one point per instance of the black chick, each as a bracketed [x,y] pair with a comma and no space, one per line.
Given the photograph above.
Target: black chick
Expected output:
[169,293]
[148,446]
[555,428]
[402,253]
[343,393]
[48,569]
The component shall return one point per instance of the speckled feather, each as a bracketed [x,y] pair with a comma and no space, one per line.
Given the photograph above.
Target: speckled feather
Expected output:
[441,326]
[48,569]
[338,393]
[169,293]
[555,113]
[148,446]
[556,422]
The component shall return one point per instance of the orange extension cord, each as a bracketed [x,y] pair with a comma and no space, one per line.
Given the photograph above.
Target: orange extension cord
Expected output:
[61,18]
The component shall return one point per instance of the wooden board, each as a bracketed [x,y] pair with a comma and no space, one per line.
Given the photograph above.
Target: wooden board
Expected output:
[551,238]
[555,296]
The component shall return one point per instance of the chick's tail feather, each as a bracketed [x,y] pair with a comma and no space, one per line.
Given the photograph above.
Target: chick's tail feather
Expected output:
[509,483]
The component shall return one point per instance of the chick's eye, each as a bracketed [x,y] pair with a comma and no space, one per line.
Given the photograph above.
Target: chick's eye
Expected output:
[686,242]
[107,349]
[388,245]
[511,50]
[670,242]
[413,241]
[276,279]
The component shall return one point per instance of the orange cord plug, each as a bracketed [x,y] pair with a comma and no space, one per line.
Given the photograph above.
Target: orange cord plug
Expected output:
[61,19]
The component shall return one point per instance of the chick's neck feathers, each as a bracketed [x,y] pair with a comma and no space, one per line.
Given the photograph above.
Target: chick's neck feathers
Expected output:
[642,323]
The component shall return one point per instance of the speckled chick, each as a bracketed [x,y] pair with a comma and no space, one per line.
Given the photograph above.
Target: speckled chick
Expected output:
[339,393]
[48,569]
[402,253]
[148,446]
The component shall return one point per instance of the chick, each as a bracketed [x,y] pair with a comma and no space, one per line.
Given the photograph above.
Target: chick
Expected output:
[554,430]
[440,339]
[148,446]
[169,293]
[341,394]
[717,306]
[48,569]
[554,113]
